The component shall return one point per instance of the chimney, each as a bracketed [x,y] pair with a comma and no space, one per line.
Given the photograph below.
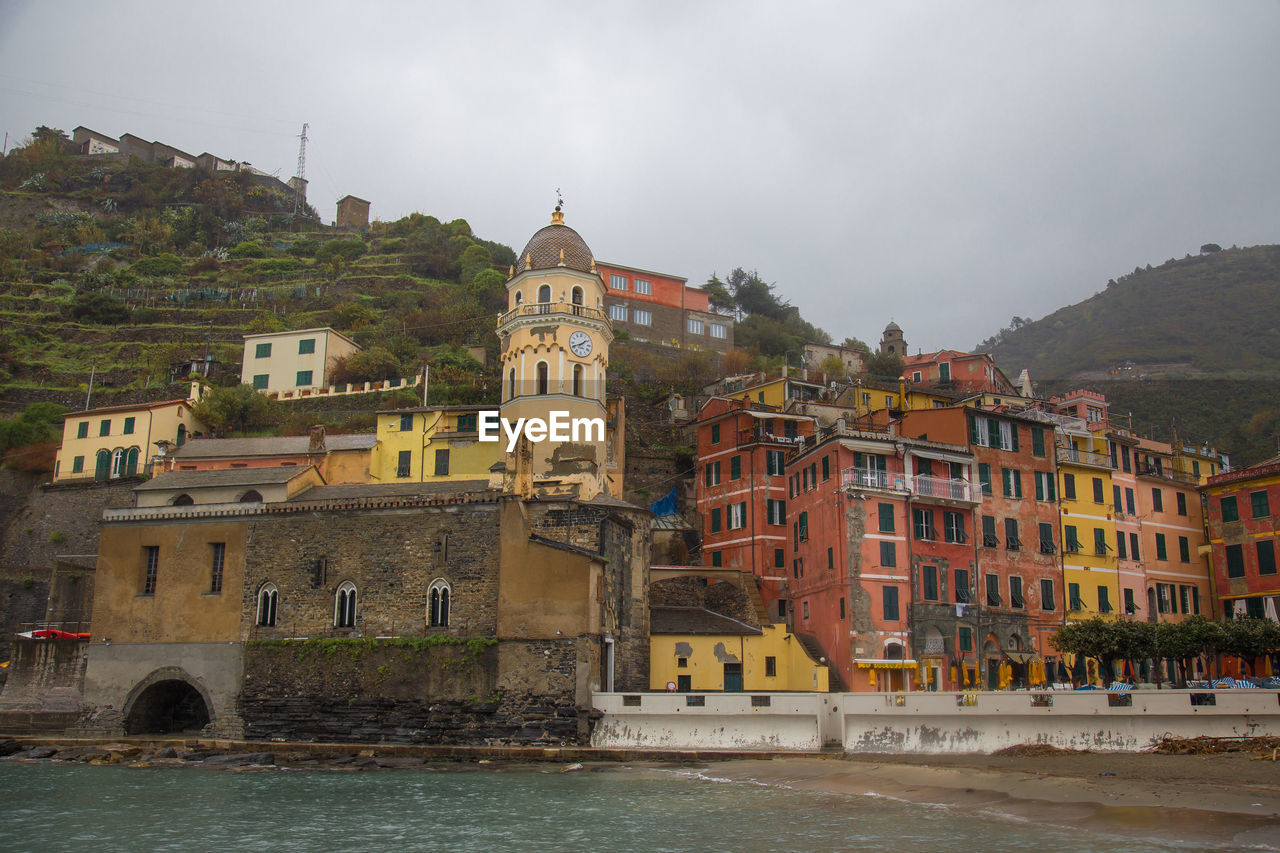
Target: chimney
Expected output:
[316,445]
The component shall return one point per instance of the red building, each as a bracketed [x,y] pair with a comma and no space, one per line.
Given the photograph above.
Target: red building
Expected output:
[663,308]
[890,532]
[965,371]
[1241,509]
[742,489]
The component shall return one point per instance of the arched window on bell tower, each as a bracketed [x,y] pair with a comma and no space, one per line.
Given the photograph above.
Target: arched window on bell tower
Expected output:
[577,380]
[519,299]
[576,295]
[543,378]
[544,293]
[511,393]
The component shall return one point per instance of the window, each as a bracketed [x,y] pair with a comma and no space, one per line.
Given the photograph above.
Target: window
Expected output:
[643,286]
[404,463]
[1046,595]
[1133,546]
[1100,546]
[1012,481]
[779,558]
[989,539]
[262,351]
[117,462]
[773,462]
[1182,503]
[1037,441]
[737,515]
[1184,597]
[268,598]
[1046,538]
[1097,491]
[306,346]
[641,317]
[77,465]
[544,381]
[1104,600]
[735,468]
[1258,503]
[260,381]
[770,665]
[695,326]
[618,282]
[344,606]
[712,477]
[1073,593]
[104,427]
[406,423]
[716,559]
[1015,593]
[438,604]
[618,312]
[151,568]
[1266,556]
[984,477]
[1229,511]
[1012,541]
[544,293]
[1157,500]
[885,513]
[993,590]
[944,372]
[1069,486]
[922,524]
[215,571]
[1130,606]
[1121,551]
[797,568]
[888,555]
[1070,539]
[82,429]
[1184,549]
[1162,552]
[966,639]
[1044,486]
[826,468]
[303,379]
[929,580]
[802,527]
[962,586]
[953,528]
[442,462]
[129,423]
[1235,561]
[718,330]
[890,604]
[776,511]
[806,610]
[1128,502]
[715,520]
[831,558]
[715,433]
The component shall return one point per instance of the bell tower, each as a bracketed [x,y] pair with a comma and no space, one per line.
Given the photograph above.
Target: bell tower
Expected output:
[554,342]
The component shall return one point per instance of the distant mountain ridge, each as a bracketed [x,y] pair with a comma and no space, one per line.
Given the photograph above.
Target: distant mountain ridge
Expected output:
[1216,314]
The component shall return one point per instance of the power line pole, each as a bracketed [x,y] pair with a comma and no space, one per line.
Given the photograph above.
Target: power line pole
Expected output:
[302,169]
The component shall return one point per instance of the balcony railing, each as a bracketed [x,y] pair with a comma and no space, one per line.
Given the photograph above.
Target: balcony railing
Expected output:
[861,478]
[1168,474]
[925,486]
[753,436]
[535,309]
[1084,457]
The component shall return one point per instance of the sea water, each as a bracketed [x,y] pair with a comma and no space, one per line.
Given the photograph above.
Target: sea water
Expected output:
[71,807]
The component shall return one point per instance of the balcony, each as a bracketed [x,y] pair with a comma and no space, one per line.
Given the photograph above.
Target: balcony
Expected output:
[538,309]
[1168,474]
[942,488]
[861,478]
[763,436]
[1071,456]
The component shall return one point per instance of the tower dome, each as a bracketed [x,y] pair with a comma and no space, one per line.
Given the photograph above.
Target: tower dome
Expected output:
[556,245]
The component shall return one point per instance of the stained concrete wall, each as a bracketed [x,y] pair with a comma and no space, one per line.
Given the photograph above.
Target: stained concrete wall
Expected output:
[42,693]
[790,722]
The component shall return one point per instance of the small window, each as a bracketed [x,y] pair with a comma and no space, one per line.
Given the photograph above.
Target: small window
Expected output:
[253,496]
[885,512]
[770,667]
[618,312]
[438,604]
[929,575]
[151,568]
[575,295]
[218,562]
[268,597]
[442,462]
[544,381]
[1266,556]
[129,424]
[344,606]
[716,559]
[888,555]
[1046,595]
[695,326]
[1157,500]
[1229,510]
[303,379]
[641,317]
[715,433]
[406,423]
[306,346]
[262,351]
[1259,504]
[735,468]
[404,463]
[544,293]
[890,603]
[962,586]
[77,464]
[104,428]
[260,381]
[1069,486]
[1162,552]
[643,286]
[618,282]
[1235,561]
[718,331]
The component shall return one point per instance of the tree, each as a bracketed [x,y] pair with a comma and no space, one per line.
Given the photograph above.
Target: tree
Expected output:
[1179,641]
[1093,638]
[886,364]
[240,408]
[374,364]
[99,308]
[832,366]
[1251,639]
[718,295]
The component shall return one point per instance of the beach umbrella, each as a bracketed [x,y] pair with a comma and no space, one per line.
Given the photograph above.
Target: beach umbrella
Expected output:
[1267,667]
[871,677]
[1128,670]
[1063,675]
[955,676]
[1006,674]
[1079,672]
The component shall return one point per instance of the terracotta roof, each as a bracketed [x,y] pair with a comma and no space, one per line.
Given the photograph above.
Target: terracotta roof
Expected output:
[225,477]
[355,491]
[285,445]
[133,407]
[695,620]
[544,248]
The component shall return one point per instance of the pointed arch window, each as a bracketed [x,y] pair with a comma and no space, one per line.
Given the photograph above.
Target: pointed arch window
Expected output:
[268,598]
[543,377]
[344,606]
[438,601]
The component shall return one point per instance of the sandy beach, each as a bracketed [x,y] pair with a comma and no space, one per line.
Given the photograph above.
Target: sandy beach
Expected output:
[1227,797]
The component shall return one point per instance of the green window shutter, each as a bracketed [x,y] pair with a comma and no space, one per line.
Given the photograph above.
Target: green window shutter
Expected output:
[1017,484]
[1161,548]
[260,382]
[1037,441]
[715,520]
[993,432]
[128,425]
[973,430]
[1014,430]
[715,433]
[857,460]
[735,468]
[826,468]
[1006,478]
[886,518]
[1051,486]
[984,477]
[1040,481]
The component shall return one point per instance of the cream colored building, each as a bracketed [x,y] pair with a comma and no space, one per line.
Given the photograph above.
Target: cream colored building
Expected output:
[227,486]
[121,441]
[293,363]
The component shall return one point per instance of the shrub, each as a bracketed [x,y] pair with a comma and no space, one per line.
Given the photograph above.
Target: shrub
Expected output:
[274,266]
[98,308]
[349,249]
[248,250]
[165,264]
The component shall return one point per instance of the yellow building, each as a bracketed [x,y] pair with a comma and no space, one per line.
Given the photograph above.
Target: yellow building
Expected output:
[1089,563]
[292,363]
[692,648]
[122,441]
[432,444]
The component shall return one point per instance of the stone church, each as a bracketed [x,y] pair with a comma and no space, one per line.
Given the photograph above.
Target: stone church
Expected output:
[482,611]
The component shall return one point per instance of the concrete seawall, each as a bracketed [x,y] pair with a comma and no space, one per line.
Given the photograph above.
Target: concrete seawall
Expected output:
[930,723]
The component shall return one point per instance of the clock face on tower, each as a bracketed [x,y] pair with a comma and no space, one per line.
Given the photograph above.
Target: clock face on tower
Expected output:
[580,344]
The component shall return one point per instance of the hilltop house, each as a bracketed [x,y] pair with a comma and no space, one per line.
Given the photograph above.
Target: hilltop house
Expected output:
[293,363]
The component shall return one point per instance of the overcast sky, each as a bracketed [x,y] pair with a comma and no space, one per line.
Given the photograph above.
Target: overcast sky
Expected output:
[946,166]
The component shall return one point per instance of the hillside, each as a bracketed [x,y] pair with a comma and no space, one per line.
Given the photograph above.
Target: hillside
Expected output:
[1216,314]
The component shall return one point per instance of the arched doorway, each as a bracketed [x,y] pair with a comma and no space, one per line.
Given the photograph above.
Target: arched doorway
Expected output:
[991,655]
[167,706]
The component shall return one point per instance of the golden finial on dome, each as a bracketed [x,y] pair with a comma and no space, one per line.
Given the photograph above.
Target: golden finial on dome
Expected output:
[528,260]
[512,271]
[593,264]
[562,257]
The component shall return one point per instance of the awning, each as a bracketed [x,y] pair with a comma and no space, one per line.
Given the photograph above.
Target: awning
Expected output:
[1020,657]
[884,663]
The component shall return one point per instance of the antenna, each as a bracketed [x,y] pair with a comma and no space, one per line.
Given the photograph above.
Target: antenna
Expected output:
[302,169]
